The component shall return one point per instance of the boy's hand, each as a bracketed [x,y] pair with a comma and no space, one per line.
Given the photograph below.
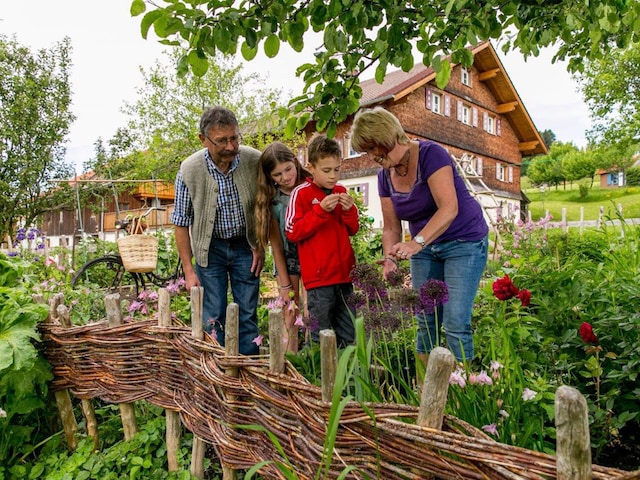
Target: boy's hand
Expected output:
[346,201]
[330,202]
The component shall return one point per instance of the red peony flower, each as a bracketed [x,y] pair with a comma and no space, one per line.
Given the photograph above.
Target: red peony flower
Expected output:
[586,332]
[525,297]
[504,289]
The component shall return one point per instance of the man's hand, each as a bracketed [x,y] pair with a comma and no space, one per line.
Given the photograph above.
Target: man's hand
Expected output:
[330,202]
[257,262]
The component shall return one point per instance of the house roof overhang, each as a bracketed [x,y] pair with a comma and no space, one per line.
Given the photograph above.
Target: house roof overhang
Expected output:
[398,84]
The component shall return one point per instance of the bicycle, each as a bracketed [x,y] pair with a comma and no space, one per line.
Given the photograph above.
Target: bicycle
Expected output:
[108,272]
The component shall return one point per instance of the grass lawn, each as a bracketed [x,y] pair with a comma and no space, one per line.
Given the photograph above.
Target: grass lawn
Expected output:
[555,199]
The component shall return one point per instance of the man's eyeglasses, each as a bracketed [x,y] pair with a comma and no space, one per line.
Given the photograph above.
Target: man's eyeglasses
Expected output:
[223,142]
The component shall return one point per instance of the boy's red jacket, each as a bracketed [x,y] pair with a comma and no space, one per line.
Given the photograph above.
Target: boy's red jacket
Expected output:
[324,248]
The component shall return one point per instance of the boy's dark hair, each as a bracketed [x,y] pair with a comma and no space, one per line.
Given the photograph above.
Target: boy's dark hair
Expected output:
[217,116]
[322,146]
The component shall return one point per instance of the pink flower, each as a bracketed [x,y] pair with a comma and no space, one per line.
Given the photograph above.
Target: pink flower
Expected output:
[495,365]
[528,394]
[492,429]
[299,322]
[458,378]
[480,378]
[258,340]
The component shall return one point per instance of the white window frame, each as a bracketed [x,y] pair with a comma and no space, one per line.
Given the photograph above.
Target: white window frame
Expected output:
[490,124]
[465,114]
[500,172]
[436,103]
[465,76]
[510,174]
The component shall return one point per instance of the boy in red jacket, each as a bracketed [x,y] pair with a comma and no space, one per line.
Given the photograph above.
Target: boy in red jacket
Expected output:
[320,218]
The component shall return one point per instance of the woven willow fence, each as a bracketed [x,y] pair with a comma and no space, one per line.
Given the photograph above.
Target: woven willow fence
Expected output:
[167,366]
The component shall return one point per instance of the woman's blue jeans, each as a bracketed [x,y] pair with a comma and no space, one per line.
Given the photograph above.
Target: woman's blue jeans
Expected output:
[230,262]
[460,265]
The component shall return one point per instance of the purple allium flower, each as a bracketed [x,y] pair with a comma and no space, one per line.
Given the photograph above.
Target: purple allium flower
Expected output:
[433,293]
[13,253]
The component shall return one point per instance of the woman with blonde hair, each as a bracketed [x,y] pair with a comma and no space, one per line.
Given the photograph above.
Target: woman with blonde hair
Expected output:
[279,173]
[419,183]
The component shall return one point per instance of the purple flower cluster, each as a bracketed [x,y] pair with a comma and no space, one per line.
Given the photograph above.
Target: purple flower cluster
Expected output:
[433,293]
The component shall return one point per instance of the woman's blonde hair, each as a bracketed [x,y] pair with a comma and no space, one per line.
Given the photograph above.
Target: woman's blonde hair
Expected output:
[275,154]
[376,126]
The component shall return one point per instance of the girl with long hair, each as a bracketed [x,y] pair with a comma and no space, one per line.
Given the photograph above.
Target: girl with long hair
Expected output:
[279,173]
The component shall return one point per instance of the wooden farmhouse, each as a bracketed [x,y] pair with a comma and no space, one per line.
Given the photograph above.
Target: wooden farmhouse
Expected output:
[479,117]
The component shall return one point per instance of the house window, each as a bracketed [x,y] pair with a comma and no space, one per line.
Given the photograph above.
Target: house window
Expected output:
[490,123]
[360,190]
[510,174]
[500,172]
[464,113]
[465,76]
[436,103]
[477,165]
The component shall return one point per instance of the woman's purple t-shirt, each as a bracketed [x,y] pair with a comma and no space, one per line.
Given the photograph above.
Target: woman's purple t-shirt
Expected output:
[418,206]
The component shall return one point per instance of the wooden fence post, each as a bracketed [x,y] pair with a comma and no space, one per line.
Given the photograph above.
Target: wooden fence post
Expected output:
[87,405]
[435,388]
[114,319]
[600,216]
[573,445]
[63,399]
[197,332]
[328,362]
[172,417]
[232,349]
[276,335]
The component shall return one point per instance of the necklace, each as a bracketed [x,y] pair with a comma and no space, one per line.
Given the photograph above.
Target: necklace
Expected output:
[404,163]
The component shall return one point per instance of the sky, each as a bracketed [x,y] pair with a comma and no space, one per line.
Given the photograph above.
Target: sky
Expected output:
[108,51]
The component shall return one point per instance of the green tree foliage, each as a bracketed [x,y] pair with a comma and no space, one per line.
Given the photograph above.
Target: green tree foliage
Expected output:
[633,177]
[548,168]
[35,100]
[548,137]
[615,157]
[361,35]
[578,164]
[611,88]
[163,121]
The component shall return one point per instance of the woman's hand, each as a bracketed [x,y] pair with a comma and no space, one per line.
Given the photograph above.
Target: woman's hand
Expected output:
[404,251]
[389,266]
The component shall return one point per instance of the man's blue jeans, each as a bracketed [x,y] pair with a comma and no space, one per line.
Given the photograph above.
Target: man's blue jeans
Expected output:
[230,262]
[460,265]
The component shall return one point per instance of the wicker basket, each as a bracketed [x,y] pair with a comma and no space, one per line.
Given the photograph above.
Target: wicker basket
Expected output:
[139,253]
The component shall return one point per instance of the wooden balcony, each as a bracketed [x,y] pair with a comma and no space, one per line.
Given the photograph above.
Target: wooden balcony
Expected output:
[161,190]
[155,220]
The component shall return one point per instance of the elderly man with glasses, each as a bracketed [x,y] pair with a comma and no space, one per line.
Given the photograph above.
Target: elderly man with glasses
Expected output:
[214,222]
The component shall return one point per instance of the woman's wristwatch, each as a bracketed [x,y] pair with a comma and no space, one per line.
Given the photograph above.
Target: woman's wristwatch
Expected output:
[419,239]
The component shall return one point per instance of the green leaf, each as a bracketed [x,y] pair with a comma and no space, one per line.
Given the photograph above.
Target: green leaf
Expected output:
[442,77]
[248,53]
[147,21]
[199,65]
[272,46]
[137,7]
